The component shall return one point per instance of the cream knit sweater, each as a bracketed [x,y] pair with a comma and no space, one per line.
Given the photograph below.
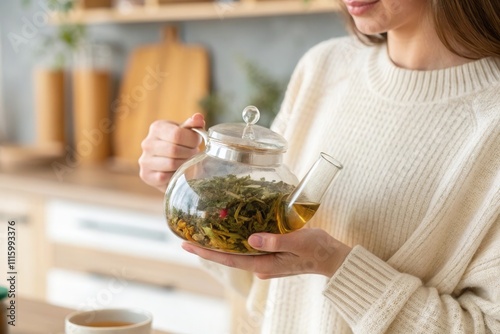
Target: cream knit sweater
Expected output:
[418,199]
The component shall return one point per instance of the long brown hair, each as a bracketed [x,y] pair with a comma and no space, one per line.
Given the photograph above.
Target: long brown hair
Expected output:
[468,28]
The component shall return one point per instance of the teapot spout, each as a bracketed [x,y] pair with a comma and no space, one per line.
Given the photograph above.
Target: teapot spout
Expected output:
[301,205]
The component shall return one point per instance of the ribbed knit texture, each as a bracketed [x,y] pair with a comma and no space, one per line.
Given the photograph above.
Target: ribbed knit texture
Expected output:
[418,199]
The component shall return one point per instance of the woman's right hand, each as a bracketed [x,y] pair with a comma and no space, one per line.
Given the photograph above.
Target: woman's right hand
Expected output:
[167,146]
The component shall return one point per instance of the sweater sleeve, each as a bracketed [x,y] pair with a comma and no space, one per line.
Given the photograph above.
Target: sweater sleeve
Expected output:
[373,297]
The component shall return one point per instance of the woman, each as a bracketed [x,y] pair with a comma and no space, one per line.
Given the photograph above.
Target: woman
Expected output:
[408,238]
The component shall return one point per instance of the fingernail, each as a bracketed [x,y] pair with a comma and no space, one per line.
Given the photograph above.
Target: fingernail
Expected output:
[255,241]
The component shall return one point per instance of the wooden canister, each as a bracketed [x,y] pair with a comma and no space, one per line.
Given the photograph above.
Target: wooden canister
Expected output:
[49,107]
[91,106]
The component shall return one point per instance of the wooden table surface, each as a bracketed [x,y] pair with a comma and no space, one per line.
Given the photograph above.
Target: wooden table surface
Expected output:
[35,317]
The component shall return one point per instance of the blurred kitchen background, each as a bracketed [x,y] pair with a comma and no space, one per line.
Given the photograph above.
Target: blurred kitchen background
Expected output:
[81,80]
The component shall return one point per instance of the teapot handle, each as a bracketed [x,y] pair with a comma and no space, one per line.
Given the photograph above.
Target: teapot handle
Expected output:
[202,133]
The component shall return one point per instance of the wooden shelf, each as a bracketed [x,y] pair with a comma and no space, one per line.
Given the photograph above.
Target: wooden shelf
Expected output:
[87,185]
[200,11]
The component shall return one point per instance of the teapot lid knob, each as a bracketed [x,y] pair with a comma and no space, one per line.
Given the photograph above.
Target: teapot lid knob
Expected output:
[251,115]
[248,135]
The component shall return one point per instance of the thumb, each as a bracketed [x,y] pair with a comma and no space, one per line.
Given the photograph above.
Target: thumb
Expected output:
[195,121]
[271,242]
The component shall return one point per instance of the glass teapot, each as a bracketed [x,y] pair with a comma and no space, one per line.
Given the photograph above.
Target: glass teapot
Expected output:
[239,186]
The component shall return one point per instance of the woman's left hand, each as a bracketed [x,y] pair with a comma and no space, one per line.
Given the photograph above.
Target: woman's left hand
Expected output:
[305,251]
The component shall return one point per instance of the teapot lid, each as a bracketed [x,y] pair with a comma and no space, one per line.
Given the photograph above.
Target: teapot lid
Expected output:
[248,135]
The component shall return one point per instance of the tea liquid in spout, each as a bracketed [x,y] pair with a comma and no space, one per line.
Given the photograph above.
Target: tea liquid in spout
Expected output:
[294,216]
[301,205]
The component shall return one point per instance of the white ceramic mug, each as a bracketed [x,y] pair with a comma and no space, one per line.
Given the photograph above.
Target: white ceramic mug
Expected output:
[109,321]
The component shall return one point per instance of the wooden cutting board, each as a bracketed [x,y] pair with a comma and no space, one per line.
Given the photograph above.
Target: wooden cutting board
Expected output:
[134,102]
[162,81]
[188,81]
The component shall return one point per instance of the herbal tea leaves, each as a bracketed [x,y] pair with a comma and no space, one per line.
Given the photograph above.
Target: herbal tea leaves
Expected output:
[228,210]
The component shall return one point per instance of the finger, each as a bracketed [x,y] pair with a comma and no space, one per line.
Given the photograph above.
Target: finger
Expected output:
[157,147]
[266,266]
[183,137]
[195,121]
[246,262]
[269,276]
[270,242]
[156,179]
[173,133]
[160,148]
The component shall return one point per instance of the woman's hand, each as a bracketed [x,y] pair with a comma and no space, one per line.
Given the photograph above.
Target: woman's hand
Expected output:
[305,251]
[167,146]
